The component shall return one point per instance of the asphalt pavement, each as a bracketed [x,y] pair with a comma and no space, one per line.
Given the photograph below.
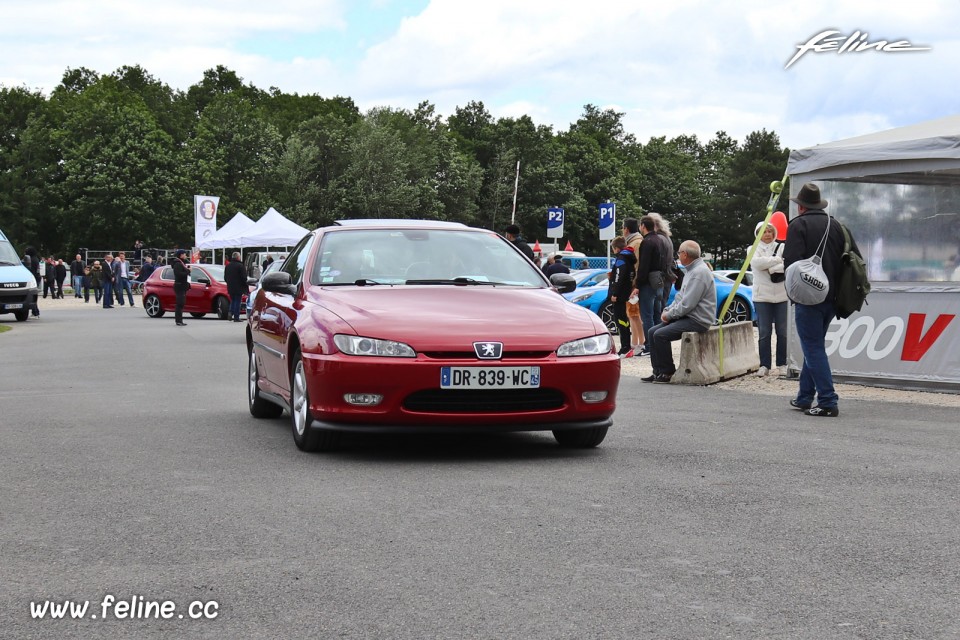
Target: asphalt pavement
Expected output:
[131,469]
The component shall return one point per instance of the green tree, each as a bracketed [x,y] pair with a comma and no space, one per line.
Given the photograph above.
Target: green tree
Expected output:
[751,168]
[119,178]
[21,177]
[234,154]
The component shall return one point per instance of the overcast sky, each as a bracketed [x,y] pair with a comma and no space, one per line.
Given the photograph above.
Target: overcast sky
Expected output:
[673,67]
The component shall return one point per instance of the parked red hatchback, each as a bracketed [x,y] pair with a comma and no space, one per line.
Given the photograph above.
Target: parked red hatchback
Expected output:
[208,292]
[410,325]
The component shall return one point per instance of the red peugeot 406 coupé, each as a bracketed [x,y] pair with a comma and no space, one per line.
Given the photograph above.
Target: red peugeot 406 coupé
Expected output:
[393,325]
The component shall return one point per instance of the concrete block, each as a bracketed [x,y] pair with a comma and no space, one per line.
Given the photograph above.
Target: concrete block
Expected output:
[700,354]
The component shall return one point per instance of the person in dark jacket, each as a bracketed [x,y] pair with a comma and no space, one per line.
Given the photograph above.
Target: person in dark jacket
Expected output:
[649,265]
[181,284]
[512,233]
[61,271]
[77,268]
[107,280]
[804,235]
[95,280]
[147,269]
[50,277]
[235,275]
[621,285]
[32,262]
[555,265]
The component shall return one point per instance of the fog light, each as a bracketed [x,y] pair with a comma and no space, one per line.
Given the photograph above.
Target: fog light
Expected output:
[363,399]
[594,396]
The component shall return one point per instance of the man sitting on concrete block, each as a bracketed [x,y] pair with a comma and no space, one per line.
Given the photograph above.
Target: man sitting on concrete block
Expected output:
[693,309]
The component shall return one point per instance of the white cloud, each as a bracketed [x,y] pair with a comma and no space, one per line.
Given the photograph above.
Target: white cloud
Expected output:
[684,67]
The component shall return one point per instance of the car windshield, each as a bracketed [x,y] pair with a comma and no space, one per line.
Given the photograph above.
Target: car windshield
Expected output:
[8,255]
[455,257]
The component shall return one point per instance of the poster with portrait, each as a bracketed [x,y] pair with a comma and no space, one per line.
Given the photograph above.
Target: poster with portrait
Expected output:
[205,217]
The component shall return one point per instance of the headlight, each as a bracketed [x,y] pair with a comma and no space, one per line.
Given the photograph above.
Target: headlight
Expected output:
[361,346]
[595,346]
[581,297]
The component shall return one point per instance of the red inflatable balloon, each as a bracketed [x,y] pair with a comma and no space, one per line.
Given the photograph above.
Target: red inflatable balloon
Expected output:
[779,222]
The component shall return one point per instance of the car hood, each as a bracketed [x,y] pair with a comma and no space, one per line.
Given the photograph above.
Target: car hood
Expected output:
[453,317]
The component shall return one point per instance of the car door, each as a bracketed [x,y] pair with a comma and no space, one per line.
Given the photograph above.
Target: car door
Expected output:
[276,317]
[163,287]
[197,299]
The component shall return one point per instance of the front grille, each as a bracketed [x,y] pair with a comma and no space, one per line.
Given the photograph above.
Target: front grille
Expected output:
[12,298]
[508,356]
[483,400]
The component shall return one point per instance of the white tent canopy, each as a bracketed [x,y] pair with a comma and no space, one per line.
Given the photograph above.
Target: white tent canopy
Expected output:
[927,146]
[228,235]
[272,230]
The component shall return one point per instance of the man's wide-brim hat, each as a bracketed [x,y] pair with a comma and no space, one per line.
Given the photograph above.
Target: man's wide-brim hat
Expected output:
[180,252]
[809,197]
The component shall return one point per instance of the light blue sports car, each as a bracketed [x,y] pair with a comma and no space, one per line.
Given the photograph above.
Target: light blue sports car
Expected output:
[594,297]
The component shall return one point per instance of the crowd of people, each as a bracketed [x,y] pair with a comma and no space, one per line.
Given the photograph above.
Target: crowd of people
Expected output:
[645,267]
[113,278]
[106,280]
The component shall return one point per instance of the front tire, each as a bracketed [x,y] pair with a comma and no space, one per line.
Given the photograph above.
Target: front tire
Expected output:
[739,311]
[153,307]
[197,315]
[222,305]
[22,315]
[306,437]
[259,407]
[580,438]
[609,319]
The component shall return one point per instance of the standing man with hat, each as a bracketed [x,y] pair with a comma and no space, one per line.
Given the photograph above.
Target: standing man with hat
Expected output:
[512,233]
[805,236]
[181,284]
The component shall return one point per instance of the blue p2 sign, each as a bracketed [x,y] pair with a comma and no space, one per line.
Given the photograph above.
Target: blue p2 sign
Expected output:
[608,219]
[555,222]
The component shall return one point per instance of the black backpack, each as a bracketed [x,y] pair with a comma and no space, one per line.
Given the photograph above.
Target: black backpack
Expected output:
[853,287]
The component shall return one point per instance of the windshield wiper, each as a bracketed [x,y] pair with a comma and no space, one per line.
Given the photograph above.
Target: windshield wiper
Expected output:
[460,282]
[362,282]
[4,263]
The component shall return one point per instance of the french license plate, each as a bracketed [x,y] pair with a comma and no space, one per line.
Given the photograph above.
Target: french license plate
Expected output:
[13,305]
[489,377]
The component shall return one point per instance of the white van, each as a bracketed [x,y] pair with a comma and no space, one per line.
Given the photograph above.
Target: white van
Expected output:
[254,260]
[18,287]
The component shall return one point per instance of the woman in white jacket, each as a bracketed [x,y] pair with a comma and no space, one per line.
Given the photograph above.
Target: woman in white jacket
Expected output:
[770,298]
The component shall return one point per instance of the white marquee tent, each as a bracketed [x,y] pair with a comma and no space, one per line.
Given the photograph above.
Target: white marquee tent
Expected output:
[272,230]
[227,235]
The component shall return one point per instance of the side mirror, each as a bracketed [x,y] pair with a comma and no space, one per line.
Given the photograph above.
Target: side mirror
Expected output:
[278,282]
[252,282]
[202,281]
[564,282]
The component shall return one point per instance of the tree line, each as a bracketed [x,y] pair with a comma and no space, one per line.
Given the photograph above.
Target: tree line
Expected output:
[107,159]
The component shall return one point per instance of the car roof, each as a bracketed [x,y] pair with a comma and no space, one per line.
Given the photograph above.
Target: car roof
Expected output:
[399,222]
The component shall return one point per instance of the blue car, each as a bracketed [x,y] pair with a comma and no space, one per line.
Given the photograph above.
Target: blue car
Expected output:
[741,308]
[590,277]
[594,297]
[592,288]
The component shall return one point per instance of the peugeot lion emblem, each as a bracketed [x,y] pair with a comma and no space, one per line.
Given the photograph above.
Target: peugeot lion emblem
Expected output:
[488,350]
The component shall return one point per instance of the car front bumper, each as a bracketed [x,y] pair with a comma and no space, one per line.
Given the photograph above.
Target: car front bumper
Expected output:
[412,399]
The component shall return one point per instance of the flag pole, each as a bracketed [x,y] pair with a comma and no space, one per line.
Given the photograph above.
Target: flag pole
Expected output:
[516,184]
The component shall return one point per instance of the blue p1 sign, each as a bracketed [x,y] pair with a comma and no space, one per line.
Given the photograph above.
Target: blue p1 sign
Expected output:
[555,222]
[608,219]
